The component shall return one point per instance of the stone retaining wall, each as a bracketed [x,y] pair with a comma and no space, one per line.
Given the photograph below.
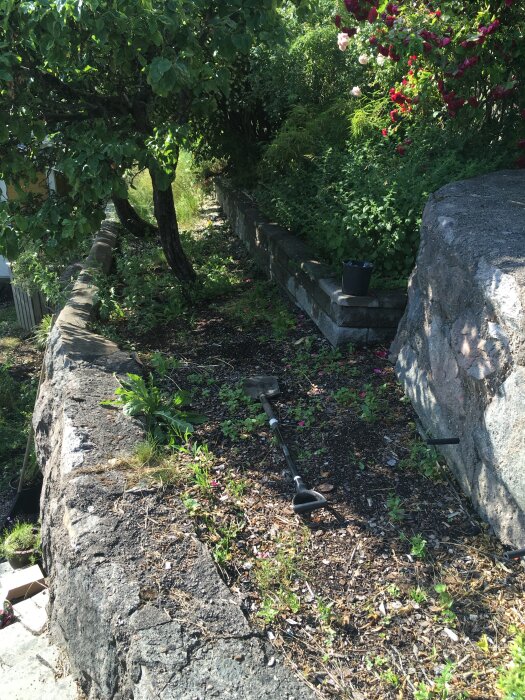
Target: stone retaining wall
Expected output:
[98,531]
[460,348]
[310,284]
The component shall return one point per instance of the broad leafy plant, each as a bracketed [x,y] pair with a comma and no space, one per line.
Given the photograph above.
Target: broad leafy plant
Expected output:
[166,417]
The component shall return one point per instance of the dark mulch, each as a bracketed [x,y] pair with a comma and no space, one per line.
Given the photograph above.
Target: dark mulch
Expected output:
[348,596]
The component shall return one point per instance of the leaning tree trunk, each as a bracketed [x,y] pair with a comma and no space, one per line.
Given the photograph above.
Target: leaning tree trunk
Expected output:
[131,220]
[164,209]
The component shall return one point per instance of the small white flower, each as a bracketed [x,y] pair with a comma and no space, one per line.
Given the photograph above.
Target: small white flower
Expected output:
[363,59]
[356,91]
[343,40]
[381,60]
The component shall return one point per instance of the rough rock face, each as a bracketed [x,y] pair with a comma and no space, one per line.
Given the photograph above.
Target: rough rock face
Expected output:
[460,347]
[99,544]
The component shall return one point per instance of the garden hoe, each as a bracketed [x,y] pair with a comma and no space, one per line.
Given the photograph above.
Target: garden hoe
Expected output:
[264,387]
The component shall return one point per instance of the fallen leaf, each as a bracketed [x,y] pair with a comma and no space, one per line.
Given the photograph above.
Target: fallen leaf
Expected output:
[325,488]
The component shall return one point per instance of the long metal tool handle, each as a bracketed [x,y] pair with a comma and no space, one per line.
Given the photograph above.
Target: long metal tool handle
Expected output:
[274,427]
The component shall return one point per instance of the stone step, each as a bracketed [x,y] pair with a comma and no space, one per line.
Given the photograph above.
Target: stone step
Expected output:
[31,668]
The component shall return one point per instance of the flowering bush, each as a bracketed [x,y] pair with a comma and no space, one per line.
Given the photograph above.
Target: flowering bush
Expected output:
[353,133]
[456,61]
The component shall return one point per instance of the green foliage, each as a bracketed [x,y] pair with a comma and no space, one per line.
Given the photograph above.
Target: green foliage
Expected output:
[246,414]
[21,536]
[440,687]
[424,459]
[446,601]
[260,304]
[345,396]
[316,156]
[104,88]
[275,578]
[165,416]
[418,595]
[418,547]
[187,192]
[225,535]
[396,512]
[512,678]
[42,332]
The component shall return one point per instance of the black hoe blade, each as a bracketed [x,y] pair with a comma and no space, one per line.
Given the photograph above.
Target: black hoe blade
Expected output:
[307,500]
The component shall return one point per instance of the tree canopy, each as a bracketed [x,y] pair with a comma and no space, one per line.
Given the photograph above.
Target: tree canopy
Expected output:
[93,88]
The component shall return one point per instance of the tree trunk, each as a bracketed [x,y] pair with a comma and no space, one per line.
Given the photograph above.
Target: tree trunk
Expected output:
[164,208]
[131,220]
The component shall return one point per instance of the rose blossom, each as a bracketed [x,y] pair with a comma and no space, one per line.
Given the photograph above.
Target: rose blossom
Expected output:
[343,40]
[356,91]
[363,59]
[380,60]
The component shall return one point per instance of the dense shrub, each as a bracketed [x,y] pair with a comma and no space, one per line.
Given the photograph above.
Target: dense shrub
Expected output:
[349,144]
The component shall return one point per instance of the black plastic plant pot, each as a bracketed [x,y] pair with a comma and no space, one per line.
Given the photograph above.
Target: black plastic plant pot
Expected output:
[356,277]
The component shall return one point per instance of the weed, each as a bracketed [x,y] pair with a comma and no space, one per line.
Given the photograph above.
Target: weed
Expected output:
[201,477]
[261,304]
[423,459]
[304,413]
[236,486]
[42,332]
[512,678]
[22,537]
[164,365]
[165,415]
[418,595]
[345,396]
[446,602]
[440,688]
[325,611]
[418,547]
[225,535]
[275,577]
[268,611]
[396,512]
[191,504]
[146,452]
[390,677]
[394,591]
[237,402]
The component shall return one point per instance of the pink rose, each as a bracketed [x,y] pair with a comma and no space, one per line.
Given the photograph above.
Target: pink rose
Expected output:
[343,40]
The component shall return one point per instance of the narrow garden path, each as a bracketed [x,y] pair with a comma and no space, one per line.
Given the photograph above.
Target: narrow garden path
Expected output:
[400,591]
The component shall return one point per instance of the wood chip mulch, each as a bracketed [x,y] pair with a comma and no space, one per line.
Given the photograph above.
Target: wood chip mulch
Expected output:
[399,590]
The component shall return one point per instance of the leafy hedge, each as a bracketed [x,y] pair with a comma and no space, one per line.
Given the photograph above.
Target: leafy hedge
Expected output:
[314,135]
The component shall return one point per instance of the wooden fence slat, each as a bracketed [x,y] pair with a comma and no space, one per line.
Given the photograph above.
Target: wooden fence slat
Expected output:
[30,309]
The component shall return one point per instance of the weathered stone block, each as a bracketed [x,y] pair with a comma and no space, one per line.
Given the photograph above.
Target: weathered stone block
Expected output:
[460,347]
[308,282]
